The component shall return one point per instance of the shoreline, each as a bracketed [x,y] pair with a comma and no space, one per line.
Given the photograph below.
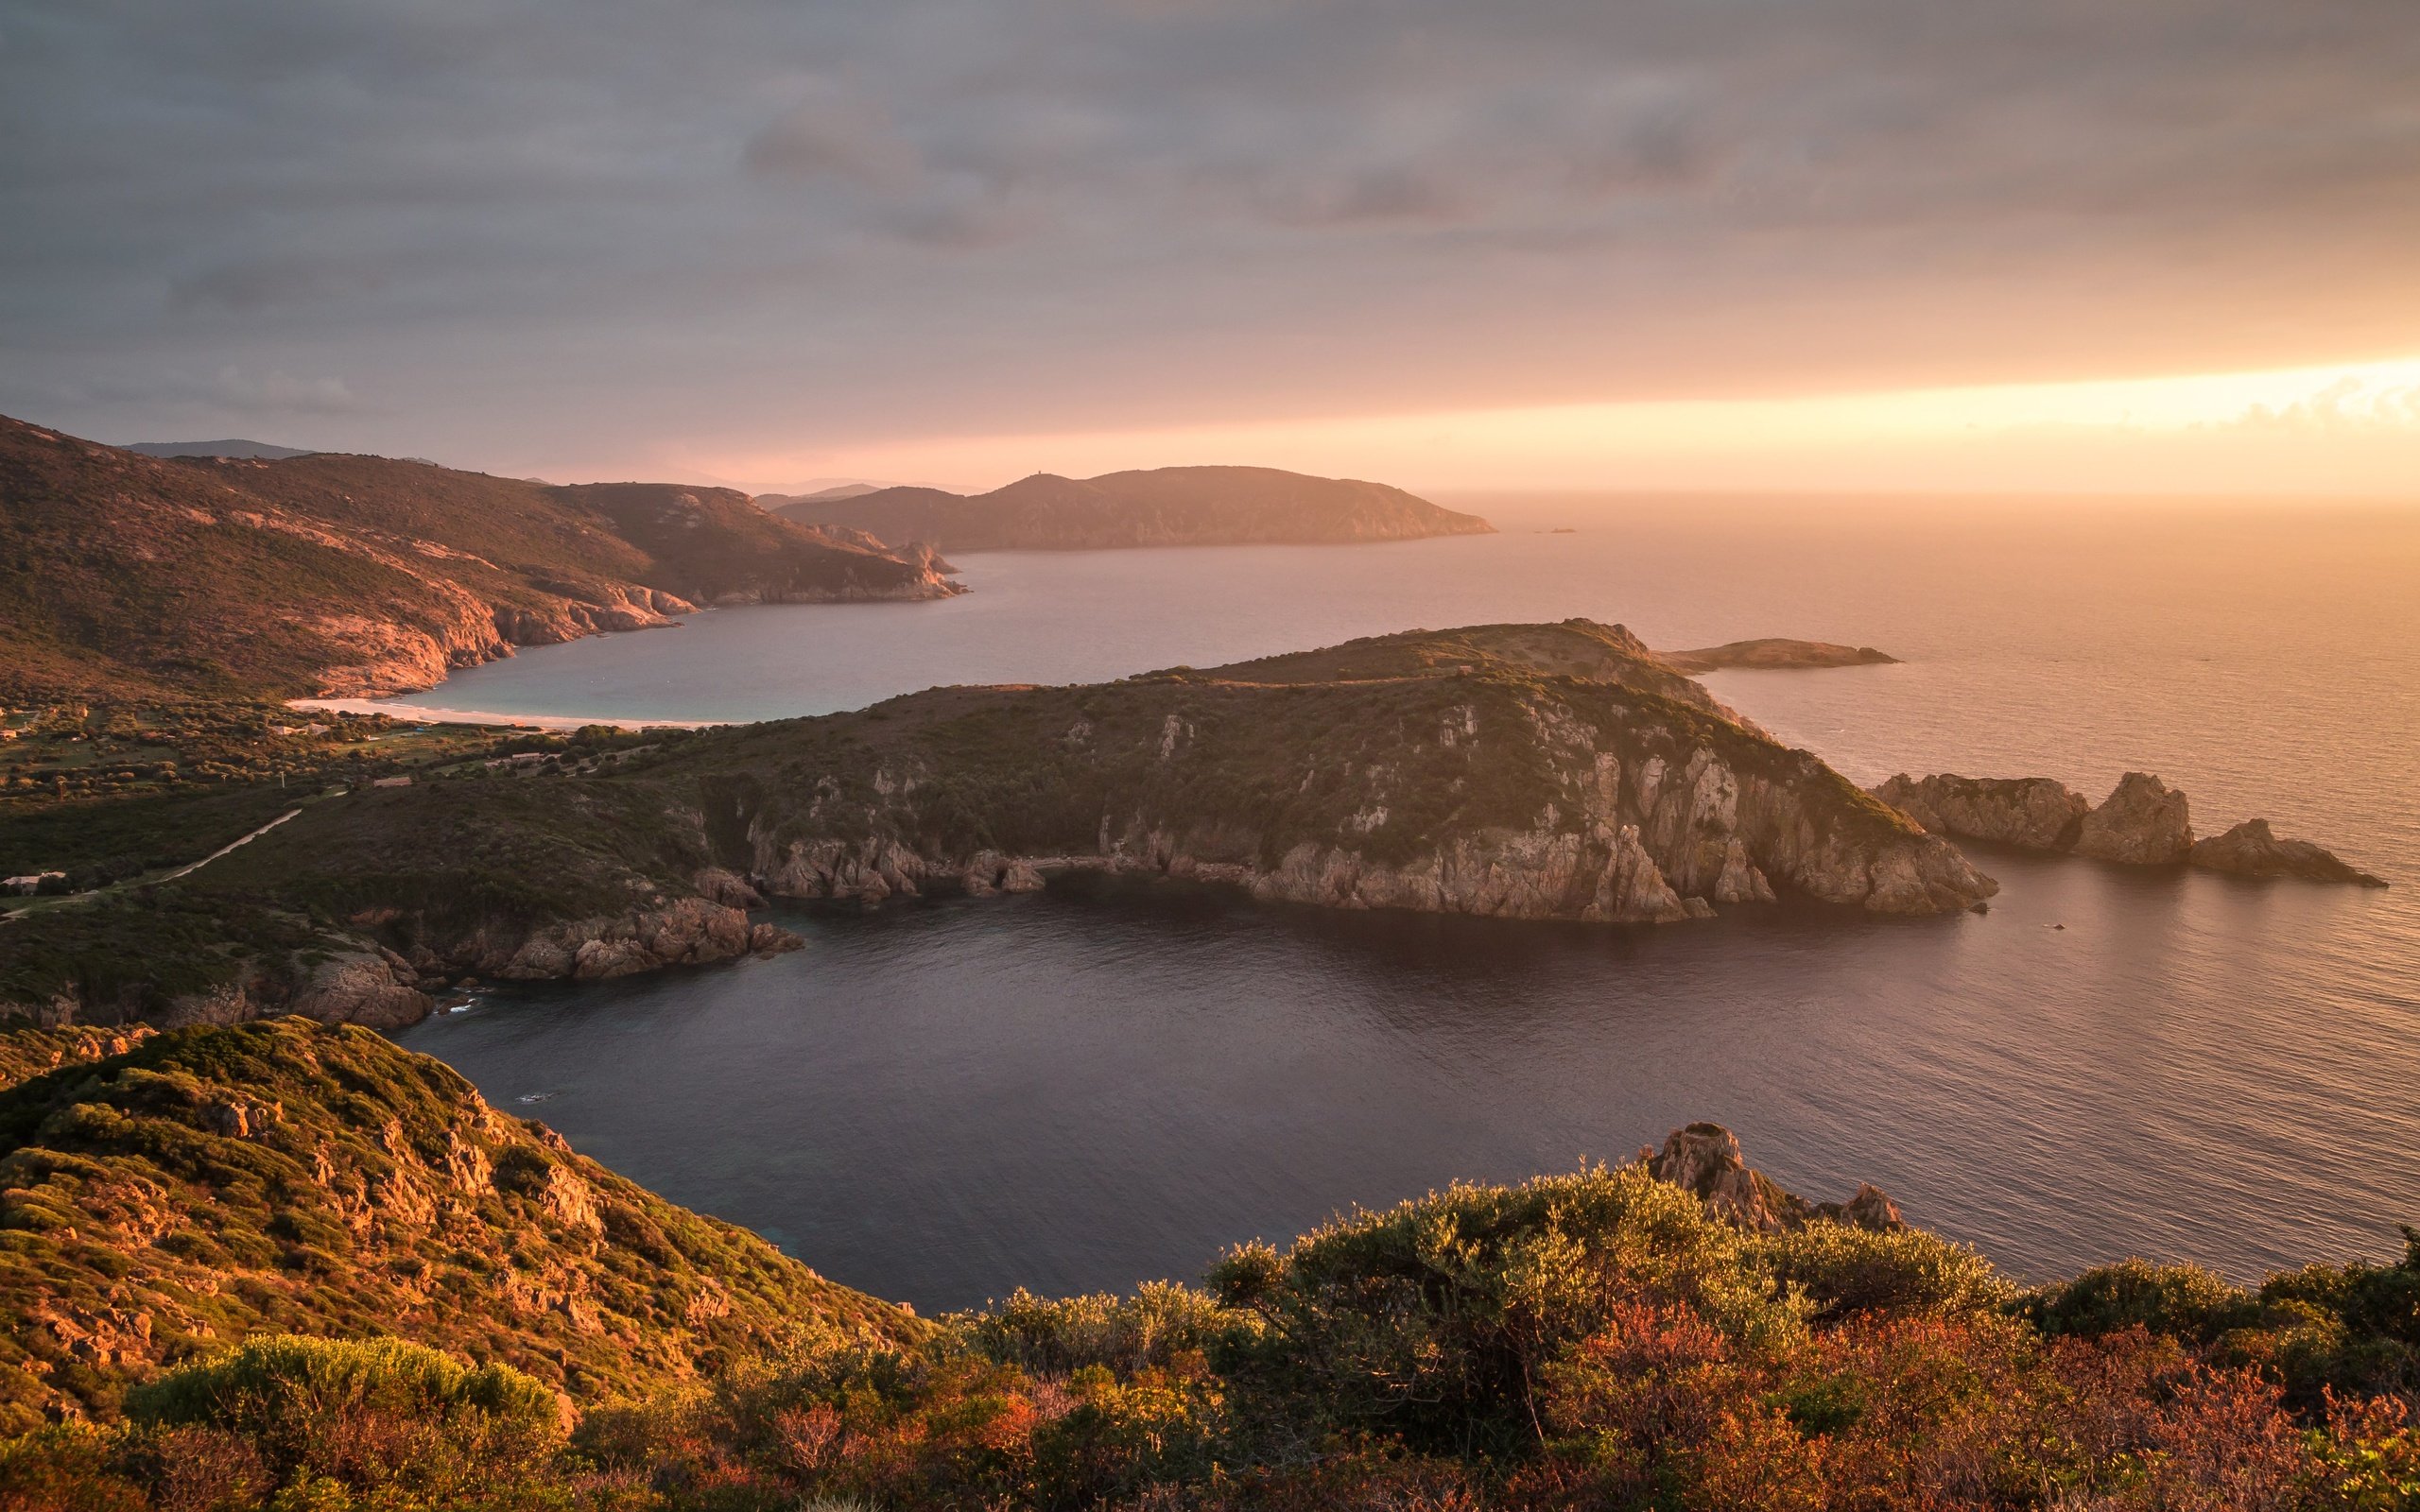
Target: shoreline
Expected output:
[421,715]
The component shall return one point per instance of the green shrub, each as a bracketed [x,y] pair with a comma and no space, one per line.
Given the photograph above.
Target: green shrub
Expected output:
[1842,1269]
[2185,1300]
[1159,1323]
[365,1415]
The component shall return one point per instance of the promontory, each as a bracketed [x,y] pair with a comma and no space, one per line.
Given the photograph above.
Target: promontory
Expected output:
[1527,771]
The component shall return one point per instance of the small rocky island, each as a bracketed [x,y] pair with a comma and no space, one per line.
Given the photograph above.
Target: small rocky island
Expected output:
[1776,654]
[2142,822]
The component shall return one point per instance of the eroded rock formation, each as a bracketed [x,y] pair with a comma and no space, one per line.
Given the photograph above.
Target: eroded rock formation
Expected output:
[1705,1159]
[2252,850]
[2032,813]
[2143,822]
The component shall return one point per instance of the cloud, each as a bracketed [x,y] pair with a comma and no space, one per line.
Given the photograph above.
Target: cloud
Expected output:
[831,132]
[555,225]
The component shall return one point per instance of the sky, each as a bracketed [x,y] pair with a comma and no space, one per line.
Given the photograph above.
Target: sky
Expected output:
[2159,246]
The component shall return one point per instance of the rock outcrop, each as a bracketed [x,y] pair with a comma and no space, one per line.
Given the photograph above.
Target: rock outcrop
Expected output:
[2032,812]
[667,932]
[1706,1160]
[2252,850]
[2143,822]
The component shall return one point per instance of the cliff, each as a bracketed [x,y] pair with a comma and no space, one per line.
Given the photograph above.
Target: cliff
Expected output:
[1517,771]
[196,1187]
[1163,507]
[130,577]
[2142,822]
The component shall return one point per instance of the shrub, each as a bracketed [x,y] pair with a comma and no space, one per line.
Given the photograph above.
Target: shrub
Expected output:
[1160,1323]
[1842,1269]
[2185,1301]
[366,1415]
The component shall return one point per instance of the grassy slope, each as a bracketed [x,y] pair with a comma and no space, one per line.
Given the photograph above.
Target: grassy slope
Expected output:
[282,1176]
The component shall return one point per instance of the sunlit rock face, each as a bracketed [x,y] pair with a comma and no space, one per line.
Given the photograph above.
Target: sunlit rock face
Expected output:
[2142,822]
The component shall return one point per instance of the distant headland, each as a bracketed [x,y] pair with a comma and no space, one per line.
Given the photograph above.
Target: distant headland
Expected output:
[1159,507]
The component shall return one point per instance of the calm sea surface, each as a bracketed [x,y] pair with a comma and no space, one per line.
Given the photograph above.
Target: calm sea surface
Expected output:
[941,1100]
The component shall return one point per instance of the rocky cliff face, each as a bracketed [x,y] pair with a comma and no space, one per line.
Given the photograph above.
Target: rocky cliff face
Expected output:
[2032,812]
[1493,795]
[1705,1159]
[2143,822]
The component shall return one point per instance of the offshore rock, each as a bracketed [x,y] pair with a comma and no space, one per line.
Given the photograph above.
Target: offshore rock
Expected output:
[2252,850]
[2032,812]
[2143,822]
[1706,1160]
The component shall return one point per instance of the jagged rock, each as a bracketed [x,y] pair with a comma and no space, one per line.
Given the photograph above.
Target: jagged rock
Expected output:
[772,939]
[2032,813]
[373,988]
[2251,850]
[728,889]
[2143,822]
[1705,1159]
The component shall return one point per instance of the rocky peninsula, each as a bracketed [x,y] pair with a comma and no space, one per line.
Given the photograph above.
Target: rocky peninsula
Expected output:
[2142,822]
[1520,771]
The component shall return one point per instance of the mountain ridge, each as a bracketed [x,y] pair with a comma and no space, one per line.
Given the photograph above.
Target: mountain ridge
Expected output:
[1158,507]
[127,575]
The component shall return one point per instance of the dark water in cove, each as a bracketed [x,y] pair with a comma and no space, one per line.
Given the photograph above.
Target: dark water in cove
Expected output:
[940,1100]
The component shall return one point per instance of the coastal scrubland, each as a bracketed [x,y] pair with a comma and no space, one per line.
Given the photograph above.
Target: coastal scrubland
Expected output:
[289,1265]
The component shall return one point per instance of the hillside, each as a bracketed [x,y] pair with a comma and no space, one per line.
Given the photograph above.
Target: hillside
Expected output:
[1162,507]
[190,1218]
[125,576]
[230,447]
[192,1188]
[1565,774]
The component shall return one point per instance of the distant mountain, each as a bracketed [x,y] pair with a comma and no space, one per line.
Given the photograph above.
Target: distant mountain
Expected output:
[126,576]
[843,491]
[1162,507]
[254,451]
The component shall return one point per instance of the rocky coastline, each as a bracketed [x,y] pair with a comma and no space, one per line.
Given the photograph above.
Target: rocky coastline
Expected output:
[2143,822]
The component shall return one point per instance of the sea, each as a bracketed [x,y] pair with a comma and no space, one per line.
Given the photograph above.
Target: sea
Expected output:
[945,1100]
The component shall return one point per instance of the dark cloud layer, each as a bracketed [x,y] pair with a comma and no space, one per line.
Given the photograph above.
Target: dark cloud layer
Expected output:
[527,231]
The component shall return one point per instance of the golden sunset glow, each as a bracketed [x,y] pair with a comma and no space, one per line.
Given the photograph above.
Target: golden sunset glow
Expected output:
[2350,429]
